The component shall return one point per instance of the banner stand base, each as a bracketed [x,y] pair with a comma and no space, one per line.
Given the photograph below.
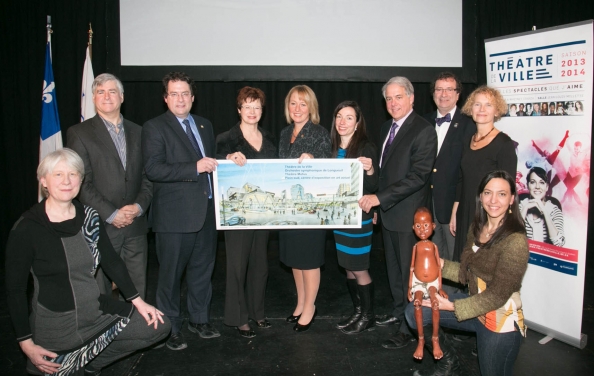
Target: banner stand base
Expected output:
[580,342]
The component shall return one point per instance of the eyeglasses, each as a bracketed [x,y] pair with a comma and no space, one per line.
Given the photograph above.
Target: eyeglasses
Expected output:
[448,90]
[250,108]
[175,95]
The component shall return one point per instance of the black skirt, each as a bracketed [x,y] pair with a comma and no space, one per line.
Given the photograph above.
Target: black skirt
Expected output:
[302,249]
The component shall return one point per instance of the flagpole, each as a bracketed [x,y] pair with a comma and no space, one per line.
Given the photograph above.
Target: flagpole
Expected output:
[90,43]
[49,31]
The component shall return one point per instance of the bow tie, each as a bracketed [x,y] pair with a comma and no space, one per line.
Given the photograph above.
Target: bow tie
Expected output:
[441,120]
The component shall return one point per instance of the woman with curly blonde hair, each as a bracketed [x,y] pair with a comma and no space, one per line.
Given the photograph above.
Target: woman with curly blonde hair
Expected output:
[489,150]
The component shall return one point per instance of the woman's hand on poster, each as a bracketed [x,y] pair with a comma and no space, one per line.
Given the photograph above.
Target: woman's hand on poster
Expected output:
[367,164]
[238,158]
[532,203]
[305,156]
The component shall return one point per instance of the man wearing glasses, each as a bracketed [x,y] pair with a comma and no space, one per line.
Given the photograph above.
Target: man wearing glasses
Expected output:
[178,150]
[454,131]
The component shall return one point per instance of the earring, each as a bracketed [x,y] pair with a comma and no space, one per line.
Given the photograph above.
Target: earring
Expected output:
[355,128]
[510,209]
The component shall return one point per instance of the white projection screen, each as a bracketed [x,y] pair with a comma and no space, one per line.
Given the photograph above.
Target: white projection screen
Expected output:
[291,33]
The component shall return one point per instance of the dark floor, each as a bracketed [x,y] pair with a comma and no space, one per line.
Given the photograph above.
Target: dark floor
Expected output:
[322,350]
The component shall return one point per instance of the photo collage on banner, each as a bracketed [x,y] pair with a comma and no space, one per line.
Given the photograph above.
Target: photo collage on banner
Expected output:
[546,78]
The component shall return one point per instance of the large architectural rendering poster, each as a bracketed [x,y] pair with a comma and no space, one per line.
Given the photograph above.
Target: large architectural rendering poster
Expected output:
[546,78]
[284,194]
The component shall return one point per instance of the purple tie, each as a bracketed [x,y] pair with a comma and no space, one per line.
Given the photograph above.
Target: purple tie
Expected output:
[390,139]
[441,120]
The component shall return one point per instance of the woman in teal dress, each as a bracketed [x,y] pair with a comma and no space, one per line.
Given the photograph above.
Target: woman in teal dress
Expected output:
[349,140]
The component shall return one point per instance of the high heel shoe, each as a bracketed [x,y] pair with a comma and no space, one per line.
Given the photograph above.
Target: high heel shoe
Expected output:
[246,333]
[262,324]
[292,319]
[302,328]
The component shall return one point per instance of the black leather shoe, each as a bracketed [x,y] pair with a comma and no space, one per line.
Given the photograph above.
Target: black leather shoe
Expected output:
[92,373]
[176,342]
[399,341]
[292,319]
[387,320]
[246,333]
[204,330]
[302,328]
[263,324]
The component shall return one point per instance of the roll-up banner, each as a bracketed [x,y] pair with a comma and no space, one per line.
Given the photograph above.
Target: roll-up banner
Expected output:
[546,78]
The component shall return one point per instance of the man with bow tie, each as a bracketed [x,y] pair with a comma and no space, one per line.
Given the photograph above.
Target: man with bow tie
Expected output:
[409,146]
[454,130]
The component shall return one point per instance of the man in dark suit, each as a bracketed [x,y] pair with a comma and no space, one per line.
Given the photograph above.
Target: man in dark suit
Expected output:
[454,131]
[179,151]
[408,153]
[115,183]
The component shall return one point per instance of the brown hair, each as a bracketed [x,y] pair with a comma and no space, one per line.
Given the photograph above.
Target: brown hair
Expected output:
[252,93]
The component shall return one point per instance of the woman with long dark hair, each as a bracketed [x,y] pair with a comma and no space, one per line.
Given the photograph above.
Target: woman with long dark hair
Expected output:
[493,264]
[542,213]
[353,246]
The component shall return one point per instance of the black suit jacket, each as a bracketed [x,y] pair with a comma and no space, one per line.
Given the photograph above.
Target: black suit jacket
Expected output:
[107,186]
[404,176]
[180,194]
[446,170]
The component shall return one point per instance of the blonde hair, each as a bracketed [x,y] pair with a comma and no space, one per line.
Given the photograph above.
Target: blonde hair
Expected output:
[47,165]
[309,97]
[494,96]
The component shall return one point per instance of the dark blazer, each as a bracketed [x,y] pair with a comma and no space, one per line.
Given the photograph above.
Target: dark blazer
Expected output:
[446,169]
[313,139]
[404,184]
[107,186]
[232,141]
[180,194]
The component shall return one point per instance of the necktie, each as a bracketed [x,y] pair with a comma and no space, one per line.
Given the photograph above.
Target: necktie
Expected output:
[441,120]
[192,138]
[194,143]
[390,139]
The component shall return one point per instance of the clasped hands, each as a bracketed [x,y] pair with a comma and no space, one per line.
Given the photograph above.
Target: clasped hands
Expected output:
[125,215]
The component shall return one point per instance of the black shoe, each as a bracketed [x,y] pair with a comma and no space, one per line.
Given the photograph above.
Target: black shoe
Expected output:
[302,328]
[387,320]
[292,319]
[460,337]
[352,287]
[399,341]
[204,330]
[176,342]
[367,319]
[246,333]
[263,324]
[92,373]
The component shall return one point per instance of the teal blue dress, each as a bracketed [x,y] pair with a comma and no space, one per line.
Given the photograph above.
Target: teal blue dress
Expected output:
[353,246]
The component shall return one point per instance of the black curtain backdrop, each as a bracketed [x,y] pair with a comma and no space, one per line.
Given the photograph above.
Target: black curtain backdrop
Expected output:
[22,53]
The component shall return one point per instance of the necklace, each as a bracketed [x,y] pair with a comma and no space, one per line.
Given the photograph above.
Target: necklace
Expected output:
[474,139]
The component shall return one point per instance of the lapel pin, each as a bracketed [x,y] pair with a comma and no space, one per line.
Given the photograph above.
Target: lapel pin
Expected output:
[455,125]
[202,126]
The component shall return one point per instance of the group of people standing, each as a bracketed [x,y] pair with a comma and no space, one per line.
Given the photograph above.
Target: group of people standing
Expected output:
[444,161]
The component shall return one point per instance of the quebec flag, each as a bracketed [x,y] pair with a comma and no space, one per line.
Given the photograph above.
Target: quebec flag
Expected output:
[51,136]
